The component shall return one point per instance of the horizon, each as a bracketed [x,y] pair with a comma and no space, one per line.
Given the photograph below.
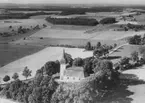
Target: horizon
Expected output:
[90,2]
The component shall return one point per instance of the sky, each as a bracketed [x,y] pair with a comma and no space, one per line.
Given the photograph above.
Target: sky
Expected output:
[76,1]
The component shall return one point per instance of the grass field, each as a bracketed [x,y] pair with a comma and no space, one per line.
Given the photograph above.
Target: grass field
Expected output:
[21,22]
[9,53]
[140,18]
[124,51]
[63,33]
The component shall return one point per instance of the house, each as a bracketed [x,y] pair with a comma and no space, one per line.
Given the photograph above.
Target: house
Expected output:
[70,74]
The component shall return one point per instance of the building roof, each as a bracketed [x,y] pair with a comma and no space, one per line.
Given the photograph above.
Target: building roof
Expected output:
[63,59]
[74,72]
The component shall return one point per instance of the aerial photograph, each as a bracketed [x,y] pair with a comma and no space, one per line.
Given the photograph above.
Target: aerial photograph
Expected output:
[72,51]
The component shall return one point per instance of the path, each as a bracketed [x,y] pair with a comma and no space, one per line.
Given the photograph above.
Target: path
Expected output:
[115,49]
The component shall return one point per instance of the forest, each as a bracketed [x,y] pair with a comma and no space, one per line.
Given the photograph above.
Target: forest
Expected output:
[73,21]
[23,15]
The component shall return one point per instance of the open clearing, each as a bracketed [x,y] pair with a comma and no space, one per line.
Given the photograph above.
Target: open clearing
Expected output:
[37,60]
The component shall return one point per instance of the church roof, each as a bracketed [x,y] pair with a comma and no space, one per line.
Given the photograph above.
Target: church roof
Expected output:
[74,72]
[63,59]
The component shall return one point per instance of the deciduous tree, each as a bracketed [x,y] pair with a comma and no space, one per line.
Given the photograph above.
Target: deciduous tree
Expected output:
[15,76]
[26,72]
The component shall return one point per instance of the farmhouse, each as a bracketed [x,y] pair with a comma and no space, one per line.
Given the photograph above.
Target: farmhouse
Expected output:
[71,74]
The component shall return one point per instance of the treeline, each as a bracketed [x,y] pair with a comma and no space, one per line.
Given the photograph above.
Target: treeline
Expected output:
[71,12]
[132,27]
[23,15]
[108,20]
[73,21]
[69,8]
[137,40]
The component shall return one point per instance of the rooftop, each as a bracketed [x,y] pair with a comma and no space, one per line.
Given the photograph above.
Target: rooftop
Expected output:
[74,72]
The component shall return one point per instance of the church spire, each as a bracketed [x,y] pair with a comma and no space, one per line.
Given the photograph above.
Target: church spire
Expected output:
[63,59]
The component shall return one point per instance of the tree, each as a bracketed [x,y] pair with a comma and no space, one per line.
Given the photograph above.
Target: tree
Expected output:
[88,46]
[98,45]
[134,56]
[78,62]
[26,72]
[69,59]
[15,76]
[36,96]
[6,78]
[51,67]
[88,68]
[98,52]
[115,45]
[44,25]
[124,61]
[10,27]
[136,40]
[103,65]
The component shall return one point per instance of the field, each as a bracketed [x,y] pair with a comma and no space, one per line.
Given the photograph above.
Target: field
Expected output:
[124,51]
[54,35]
[140,19]
[14,52]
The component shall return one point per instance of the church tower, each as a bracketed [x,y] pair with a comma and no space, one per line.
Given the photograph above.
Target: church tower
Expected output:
[62,65]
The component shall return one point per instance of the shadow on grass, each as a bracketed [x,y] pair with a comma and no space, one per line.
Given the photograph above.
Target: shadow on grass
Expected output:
[120,94]
[119,49]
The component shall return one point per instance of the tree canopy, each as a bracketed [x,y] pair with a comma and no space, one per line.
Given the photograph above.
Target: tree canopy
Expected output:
[26,72]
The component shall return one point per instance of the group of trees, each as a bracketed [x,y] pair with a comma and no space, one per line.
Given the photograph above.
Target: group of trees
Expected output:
[26,73]
[73,21]
[71,12]
[39,90]
[137,40]
[99,49]
[108,20]
[130,62]
[36,90]
[133,27]
[80,21]
[70,8]
[20,30]
[23,15]
[88,46]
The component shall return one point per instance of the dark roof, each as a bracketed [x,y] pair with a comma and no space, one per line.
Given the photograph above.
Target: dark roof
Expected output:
[74,72]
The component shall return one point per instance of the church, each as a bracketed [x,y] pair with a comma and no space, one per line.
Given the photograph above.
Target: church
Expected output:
[71,74]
